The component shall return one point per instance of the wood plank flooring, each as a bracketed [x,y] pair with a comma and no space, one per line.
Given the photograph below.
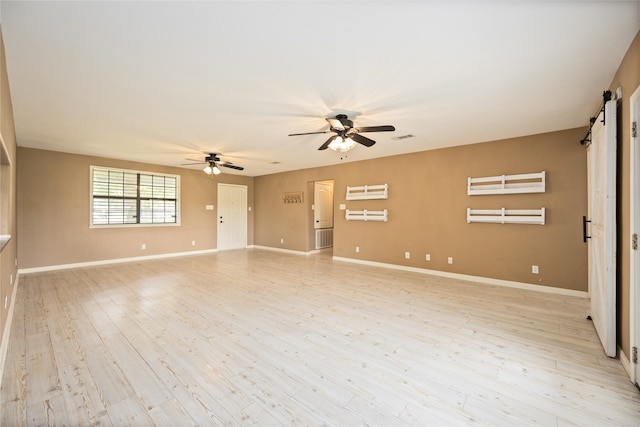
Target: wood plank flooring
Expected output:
[264,338]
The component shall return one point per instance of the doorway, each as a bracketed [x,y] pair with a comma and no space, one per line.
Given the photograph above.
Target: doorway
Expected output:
[232,217]
[323,213]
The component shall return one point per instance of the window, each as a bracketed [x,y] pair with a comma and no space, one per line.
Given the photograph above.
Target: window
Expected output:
[121,197]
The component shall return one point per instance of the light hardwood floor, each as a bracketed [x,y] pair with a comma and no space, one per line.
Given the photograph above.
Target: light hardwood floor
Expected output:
[264,338]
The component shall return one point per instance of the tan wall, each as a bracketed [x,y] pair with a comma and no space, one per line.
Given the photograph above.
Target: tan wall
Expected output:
[7,256]
[53,205]
[628,78]
[427,211]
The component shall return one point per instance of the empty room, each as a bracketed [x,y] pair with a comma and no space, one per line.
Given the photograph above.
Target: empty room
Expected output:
[322,213]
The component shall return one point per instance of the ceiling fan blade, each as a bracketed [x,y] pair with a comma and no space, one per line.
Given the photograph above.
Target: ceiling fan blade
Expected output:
[327,142]
[362,140]
[231,166]
[335,123]
[308,133]
[387,128]
[189,164]
[195,160]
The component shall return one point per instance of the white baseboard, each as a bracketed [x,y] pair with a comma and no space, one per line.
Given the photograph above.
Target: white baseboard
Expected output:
[287,251]
[486,280]
[626,364]
[111,261]
[4,345]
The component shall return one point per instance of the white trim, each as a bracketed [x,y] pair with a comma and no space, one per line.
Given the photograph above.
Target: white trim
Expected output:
[478,279]
[4,346]
[112,261]
[287,251]
[626,364]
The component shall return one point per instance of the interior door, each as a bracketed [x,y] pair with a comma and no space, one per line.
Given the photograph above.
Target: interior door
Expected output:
[232,217]
[601,157]
[323,204]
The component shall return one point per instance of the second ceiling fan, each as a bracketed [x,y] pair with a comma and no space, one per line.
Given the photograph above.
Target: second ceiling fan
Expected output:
[346,134]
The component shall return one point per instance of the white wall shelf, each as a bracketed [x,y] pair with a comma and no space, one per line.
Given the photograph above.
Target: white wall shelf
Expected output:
[507,184]
[368,192]
[507,216]
[4,239]
[365,215]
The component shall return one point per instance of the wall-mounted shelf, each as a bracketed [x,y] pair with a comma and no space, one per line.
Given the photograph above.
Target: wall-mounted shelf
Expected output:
[507,216]
[4,239]
[368,192]
[507,184]
[365,215]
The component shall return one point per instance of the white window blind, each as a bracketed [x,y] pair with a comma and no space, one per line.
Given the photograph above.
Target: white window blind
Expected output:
[123,197]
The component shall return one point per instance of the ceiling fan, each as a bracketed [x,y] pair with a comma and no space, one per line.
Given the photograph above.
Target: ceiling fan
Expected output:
[346,135]
[212,162]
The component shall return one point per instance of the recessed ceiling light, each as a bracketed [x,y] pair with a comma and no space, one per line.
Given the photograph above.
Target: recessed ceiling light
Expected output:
[275,163]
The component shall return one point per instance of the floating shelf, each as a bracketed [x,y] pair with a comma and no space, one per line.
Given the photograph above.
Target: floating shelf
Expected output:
[365,215]
[4,239]
[507,184]
[507,216]
[368,192]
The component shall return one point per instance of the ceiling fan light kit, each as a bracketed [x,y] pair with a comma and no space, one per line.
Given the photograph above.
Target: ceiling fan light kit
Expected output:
[212,161]
[211,168]
[342,145]
[346,136]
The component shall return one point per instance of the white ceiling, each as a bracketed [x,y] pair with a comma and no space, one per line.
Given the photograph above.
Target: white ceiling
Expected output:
[156,82]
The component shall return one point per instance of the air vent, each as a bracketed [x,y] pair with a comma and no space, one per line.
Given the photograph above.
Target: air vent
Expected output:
[403,137]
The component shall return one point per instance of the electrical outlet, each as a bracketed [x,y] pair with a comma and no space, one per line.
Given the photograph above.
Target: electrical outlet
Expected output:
[428,257]
[144,246]
[357,249]
[407,255]
[193,243]
[11,279]
[534,269]
[450,260]
[282,241]
[6,301]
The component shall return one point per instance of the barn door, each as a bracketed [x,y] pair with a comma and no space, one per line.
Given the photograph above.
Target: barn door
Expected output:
[634,262]
[601,158]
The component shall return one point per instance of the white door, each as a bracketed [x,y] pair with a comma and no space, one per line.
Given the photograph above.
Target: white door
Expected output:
[601,158]
[635,231]
[232,217]
[323,204]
